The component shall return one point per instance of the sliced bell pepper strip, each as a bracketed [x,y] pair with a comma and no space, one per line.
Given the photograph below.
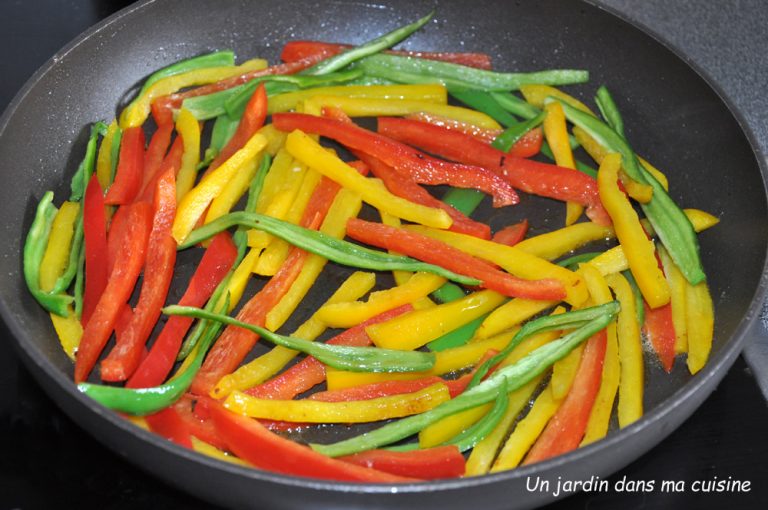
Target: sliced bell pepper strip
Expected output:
[556,134]
[408,70]
[402,186]
[700,321]
[537,94]
[566,428]
[122,361]
[436,252]
[659,328]
[376,390]
[602,409]
[669,221]
[95,236]
[233,345]
[514,261]
[527,131]
[677,295]
[106,160]
[482,134]
[353,411]
[130,168]
[483,102]
[430,464]
[194,203]
[554,244]
[516,376]
[252,120]
[311,372]
[420,167]
[56,256]
[138,111]
[510,314]
[564,372]
[512,234]
[252,442]
[70,332]
[173,161]
[87,165]
[215,264]
[428,93]
[119,287]
[630,406]
[297,50]
[530,176]
[233,191]
[346,315]
[189,131]
[639,249]
[168,424]
[412,330]
[156,151]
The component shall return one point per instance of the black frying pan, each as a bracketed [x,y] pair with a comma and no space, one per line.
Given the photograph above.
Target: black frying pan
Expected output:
[673,117]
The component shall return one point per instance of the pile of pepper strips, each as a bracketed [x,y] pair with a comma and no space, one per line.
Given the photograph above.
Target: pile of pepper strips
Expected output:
[132,206]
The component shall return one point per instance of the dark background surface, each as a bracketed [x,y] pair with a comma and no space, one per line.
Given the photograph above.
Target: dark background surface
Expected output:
[46,461]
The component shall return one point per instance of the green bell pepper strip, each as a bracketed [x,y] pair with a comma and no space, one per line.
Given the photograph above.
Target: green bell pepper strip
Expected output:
[337,250]
[672,226]
[561,321]
[143,401]
[575,260]
[484,102]
[34,250]
[80,285]
[85,169]
[240,238]
[415,70]
[458,336]
[469,438]
[516,376]
[383,42]
[114,155]
[515,105]
[609,110]
[342,357]
[513,133]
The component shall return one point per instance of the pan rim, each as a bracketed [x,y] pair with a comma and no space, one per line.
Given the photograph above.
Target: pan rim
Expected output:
[709,376]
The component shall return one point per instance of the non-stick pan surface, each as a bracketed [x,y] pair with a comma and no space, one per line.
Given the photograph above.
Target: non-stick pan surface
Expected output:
[673,117]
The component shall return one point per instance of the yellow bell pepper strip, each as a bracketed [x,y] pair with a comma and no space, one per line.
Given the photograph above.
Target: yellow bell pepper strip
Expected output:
[526,431]
[511,259]
[510,314]
[194,203]
[346,315]
[552,245]
[428,93]
[346,205]
[69,330]
[597,426]
[233,191]
[700,325]
[639,249]
[138,111]
[536,94]
[557,136]
[265,366]
[106,160]
[312,154]
[484,453]
[415,329]
[563,373]
[630,406]
[376,107]
[56,256]
[677,293]
[354,411]
[189,130]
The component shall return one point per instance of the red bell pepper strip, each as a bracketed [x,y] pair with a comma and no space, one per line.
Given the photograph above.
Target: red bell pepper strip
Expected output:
[565,430]
[163,105]
[95,234]
[310,372]
[252,120]
[418,166]
[402,186]
[297,50]
[172,161]
[138,219]
[375,390]
[130,168]
[199,427]
[660,330]
[542,179]
[512,234]
[252,442]
[216,262]
[170,425]
[435,463]
[158,273]
[158,146]
[235,343]
[436,252]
